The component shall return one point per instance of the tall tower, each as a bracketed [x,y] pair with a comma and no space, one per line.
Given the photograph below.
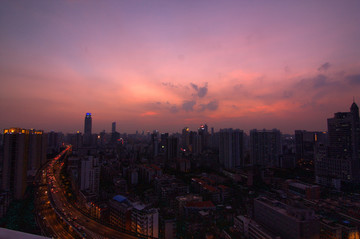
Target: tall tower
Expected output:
[87,129]
[88,124]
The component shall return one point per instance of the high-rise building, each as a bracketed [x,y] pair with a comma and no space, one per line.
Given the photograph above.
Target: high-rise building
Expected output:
[115,136]
[90,175]
[87,130]
[88,124]
[195,146]
[231,148]
[163,143]
[265,147]
[203,134]
[341,159]
[305,145]
[113,127]
[172,148]
[155,143]
[145,220]
[24,153]
[185,138]
[55,140]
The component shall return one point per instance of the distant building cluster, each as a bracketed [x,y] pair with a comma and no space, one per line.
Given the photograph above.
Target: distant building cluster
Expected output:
[197,184]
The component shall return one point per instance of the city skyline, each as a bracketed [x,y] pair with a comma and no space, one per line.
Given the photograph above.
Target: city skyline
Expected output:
[166,66]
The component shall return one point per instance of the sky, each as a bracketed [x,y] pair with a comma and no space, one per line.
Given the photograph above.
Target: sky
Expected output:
[167,65]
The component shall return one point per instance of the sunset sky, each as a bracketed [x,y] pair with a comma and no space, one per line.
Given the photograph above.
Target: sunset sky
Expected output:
[169,64]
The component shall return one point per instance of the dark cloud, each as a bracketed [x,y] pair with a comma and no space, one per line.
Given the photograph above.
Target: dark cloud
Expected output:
[201,91]
[174,109]
[189,105]
[320,81]
[353,79]
[212,105]
[324,67]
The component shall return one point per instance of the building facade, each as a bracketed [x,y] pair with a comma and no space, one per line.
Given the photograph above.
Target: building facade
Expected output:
[24,153]
[265,147]
[287,221]
[231,148]
[339,159]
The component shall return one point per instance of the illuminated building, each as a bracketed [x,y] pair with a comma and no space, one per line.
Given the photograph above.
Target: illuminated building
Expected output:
[338,229]
[231,148]
[24,153]
[145,220]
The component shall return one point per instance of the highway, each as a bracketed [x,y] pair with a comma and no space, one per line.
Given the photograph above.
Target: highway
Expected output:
[51,224]
[60,216]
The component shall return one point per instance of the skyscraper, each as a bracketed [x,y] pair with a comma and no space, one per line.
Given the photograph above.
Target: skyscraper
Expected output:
[24,152]
[341,160]
[87,129]
[88,124]
[231,148]
[113,127]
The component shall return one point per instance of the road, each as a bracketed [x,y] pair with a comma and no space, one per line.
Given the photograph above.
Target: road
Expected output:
[78,224]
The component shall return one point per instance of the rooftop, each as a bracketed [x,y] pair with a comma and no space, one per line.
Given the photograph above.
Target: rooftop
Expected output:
[204,204]
[120,198]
